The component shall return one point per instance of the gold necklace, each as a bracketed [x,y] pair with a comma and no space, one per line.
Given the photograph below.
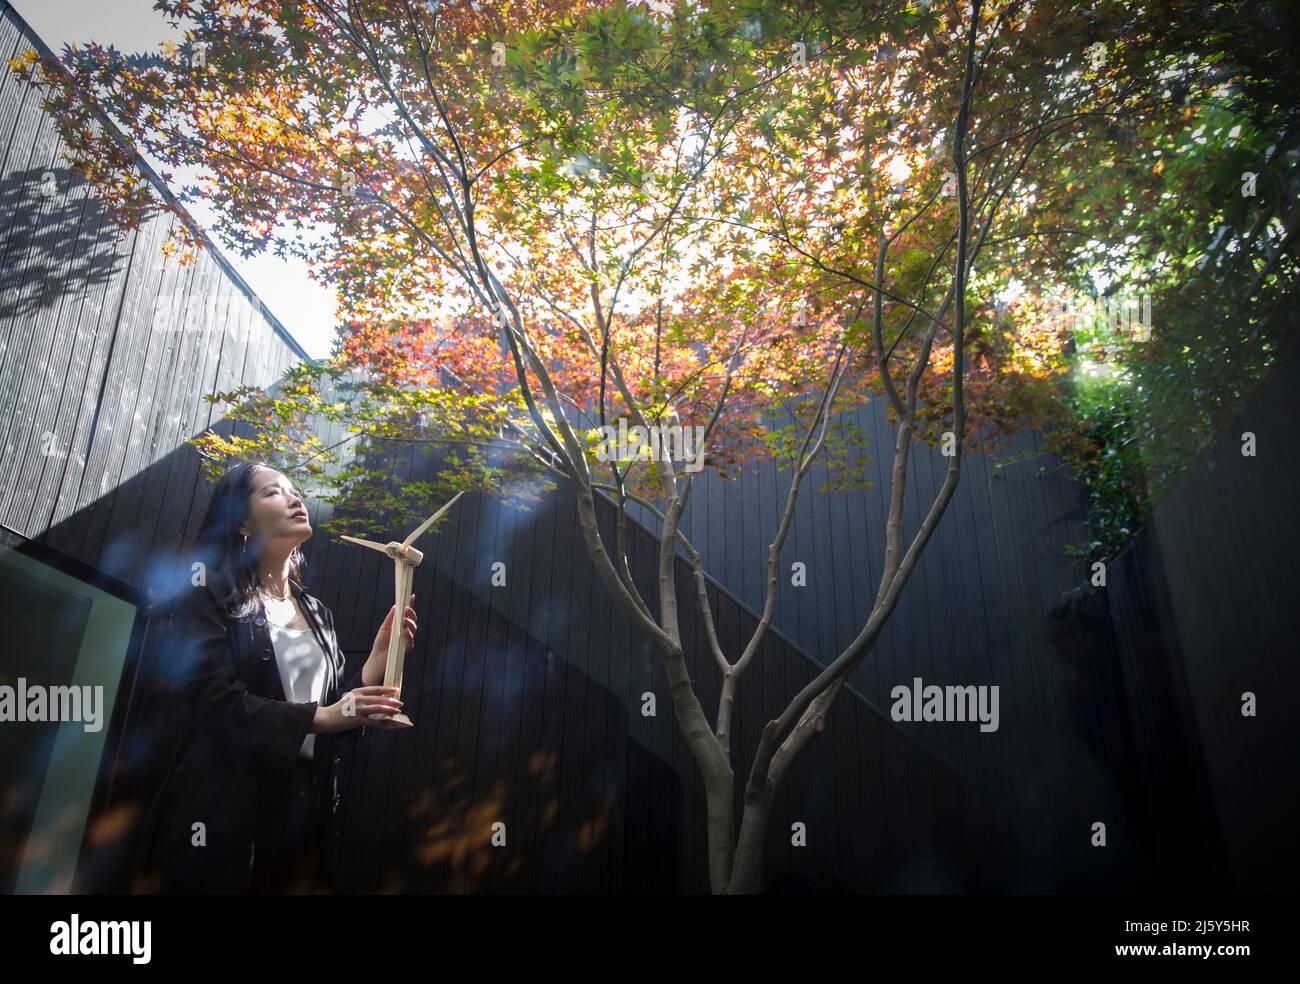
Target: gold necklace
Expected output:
[288,593]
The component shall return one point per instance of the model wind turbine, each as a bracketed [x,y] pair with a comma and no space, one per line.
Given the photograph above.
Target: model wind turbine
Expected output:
[405,560]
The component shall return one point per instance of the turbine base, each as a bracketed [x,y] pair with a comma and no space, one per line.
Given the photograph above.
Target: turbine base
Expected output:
[393,721]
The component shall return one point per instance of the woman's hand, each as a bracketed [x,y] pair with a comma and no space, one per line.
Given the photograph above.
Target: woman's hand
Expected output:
[356,708]
[377,662]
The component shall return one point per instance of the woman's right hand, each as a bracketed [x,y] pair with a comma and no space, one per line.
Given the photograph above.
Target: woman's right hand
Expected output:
[364,703]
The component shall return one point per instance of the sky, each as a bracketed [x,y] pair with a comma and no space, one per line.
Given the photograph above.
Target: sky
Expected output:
[304,307]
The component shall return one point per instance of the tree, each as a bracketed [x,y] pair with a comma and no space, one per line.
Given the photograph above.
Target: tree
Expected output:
[548,217]
[1191,212]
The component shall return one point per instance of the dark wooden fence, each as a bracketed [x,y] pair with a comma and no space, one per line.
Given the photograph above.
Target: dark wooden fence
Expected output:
[987,605]
[1204,611]
[107,351]
[529,699]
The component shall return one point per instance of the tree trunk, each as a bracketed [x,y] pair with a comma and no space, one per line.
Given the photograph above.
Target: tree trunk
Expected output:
[747,868]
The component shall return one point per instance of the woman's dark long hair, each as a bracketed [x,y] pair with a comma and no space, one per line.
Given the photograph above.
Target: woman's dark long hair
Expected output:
[221,546]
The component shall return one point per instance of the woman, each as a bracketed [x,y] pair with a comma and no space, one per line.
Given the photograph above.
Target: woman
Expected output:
[254,675]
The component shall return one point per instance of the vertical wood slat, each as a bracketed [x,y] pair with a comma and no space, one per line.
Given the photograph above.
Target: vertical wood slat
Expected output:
[49,416]
[56,284]
[174,403]
[145,384]
[111,545]
[32,249]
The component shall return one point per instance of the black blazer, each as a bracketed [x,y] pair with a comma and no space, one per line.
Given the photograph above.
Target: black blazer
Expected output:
[234,739]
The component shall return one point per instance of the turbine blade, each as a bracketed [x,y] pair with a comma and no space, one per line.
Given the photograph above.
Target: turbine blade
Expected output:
[365,543]
[431,520]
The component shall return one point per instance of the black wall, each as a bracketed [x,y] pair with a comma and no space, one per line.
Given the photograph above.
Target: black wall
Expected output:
[983,607]
[1204,611]
[528,701]
[107,352]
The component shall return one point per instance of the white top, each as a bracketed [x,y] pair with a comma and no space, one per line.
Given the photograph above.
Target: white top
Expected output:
[298,655]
